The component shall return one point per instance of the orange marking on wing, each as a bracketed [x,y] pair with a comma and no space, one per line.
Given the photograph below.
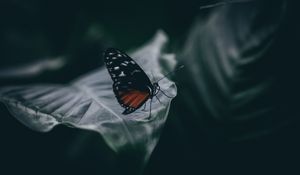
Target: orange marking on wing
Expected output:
[130,98]
[134,98]
[141,97]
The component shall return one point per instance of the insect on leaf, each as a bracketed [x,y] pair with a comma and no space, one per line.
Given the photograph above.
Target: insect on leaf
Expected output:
[89,103]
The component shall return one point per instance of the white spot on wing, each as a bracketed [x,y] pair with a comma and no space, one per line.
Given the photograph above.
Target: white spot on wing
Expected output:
[116,68]
[123,64]
[134,71]
[132,62]
[122,74]
[119,55]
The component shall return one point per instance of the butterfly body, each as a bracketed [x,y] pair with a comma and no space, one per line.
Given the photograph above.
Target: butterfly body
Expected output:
[131,85]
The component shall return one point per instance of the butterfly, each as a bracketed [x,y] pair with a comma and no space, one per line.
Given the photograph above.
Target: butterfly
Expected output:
[131,85]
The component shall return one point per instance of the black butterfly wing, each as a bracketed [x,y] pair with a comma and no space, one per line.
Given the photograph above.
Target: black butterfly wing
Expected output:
[131,85]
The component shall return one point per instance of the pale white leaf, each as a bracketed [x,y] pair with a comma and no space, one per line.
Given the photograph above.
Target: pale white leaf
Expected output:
[89,103]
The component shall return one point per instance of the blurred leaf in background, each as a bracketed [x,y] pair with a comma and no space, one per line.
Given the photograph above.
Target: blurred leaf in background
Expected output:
[237,108]
[231,57]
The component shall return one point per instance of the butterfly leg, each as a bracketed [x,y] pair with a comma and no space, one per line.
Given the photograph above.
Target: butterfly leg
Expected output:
[159,100]
[150,109]
[144,109]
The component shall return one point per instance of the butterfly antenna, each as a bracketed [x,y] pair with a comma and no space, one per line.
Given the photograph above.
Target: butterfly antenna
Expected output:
[165,94]
[169,73]
[217,4]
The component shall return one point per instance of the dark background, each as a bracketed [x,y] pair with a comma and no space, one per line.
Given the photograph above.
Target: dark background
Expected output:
[79,31]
